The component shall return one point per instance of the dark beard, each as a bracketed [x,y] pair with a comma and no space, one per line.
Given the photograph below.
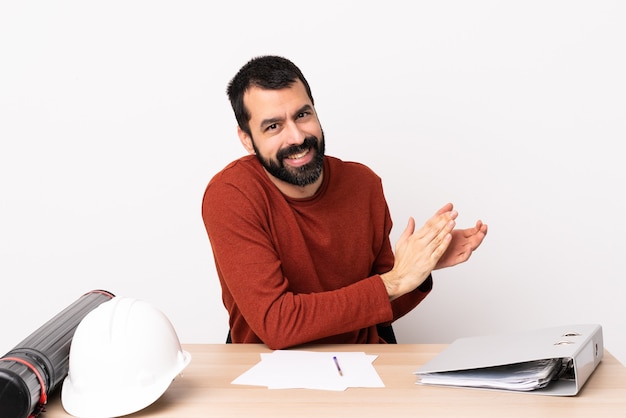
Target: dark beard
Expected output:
[300,176]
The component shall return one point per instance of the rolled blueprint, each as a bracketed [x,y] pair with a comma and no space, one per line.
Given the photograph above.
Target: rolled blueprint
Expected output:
[37,366]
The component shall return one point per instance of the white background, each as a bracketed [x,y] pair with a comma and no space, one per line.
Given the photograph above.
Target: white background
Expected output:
[113,117]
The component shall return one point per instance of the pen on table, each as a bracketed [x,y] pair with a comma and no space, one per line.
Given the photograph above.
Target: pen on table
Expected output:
[337,364]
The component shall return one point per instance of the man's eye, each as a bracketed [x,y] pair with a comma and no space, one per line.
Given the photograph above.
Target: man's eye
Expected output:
[271,127]
[303,114]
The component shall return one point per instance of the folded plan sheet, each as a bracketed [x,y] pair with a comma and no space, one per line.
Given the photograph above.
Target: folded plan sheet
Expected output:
[288,369]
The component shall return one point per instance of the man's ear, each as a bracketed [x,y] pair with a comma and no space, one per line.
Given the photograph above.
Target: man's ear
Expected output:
[246,141]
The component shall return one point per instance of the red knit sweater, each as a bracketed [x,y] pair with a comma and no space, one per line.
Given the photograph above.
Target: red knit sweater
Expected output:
[295,271]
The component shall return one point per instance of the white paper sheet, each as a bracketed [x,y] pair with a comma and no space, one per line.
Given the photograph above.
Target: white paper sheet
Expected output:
[287,369]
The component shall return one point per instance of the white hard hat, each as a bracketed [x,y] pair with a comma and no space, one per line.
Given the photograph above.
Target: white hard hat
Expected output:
[123,357]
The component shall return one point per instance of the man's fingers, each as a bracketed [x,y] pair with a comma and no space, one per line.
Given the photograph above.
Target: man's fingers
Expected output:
[445,208]
[408,231]
[436,224]
[439,245]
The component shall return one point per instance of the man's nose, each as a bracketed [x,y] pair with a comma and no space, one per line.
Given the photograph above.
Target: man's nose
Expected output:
[295,136]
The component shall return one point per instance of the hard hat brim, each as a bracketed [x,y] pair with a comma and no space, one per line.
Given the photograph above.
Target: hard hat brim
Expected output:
[116,401]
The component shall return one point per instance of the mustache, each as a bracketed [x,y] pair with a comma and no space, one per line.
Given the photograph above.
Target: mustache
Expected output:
[308,143]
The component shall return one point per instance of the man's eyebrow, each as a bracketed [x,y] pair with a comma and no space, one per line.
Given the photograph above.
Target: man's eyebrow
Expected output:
[305,108]
[271,121]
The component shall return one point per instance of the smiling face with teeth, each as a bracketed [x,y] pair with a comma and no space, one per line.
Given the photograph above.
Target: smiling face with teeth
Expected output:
[286,137]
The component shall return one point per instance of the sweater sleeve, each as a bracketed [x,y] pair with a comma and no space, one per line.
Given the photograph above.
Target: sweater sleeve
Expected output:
[255,287]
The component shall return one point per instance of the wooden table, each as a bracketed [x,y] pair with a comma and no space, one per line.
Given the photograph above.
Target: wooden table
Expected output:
[205,390]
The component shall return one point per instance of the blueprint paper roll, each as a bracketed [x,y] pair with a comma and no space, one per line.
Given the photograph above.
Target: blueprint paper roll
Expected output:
[37,366]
